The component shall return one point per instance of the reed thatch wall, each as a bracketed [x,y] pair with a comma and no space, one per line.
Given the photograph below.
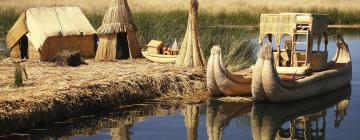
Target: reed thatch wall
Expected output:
[285,23]
[191,54]
[118,19]
[63,28]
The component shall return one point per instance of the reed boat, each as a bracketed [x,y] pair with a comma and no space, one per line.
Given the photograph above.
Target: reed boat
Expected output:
[338,74]
[221,81]
[160,58]
[317,75]
[154,52]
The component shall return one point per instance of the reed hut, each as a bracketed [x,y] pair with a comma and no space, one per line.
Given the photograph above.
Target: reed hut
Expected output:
[41,33]
[118,34]
[190,54]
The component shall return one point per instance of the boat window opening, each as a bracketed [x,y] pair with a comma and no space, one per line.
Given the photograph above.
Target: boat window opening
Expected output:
[286,42]
[270,39]
[300,43]
[286,47]
[319,44]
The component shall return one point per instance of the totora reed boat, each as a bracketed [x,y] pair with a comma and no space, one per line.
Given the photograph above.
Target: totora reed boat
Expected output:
[221,81]
[160,58]
[156,51]
[311,73]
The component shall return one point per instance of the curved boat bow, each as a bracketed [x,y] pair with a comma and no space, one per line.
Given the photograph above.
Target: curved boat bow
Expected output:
[221,81]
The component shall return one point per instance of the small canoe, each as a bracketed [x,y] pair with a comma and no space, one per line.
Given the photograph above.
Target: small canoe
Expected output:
[160,58]
[338,74]
[222,82]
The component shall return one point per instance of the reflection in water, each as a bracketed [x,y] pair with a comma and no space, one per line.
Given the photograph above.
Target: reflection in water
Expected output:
[2,45]
[191,118]
[296,120]
[119,122]
[340,111]
[219,114]
[306,118]
[121,132]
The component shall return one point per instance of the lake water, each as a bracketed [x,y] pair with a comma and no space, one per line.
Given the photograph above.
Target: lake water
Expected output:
[332,116]
[2,44]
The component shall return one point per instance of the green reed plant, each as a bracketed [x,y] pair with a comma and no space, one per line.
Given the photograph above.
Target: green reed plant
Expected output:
[18,79]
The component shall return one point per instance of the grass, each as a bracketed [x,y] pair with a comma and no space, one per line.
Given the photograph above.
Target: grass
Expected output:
[166,19]
[4,52]
[172,25]
[18,79]
[235,11]
[211,6]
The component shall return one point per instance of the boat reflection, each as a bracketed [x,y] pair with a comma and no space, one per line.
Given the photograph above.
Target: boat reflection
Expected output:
[301,119]
[219,114]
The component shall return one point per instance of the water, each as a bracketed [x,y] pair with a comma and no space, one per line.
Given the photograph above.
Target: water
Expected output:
[332,116]
[2,44]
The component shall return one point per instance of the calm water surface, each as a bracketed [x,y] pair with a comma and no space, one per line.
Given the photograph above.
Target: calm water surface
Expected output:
[2,44]
[333,116]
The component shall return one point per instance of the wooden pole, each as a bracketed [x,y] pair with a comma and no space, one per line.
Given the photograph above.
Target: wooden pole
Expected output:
[26,75]
[326,41]
[319,42]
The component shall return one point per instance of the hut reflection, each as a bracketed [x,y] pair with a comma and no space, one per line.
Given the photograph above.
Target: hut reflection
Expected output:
[121,132]
[119,122]
[191,114]
[219,114]
[298,120]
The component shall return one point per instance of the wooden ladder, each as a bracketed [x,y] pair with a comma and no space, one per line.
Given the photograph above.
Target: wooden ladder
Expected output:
[301,30]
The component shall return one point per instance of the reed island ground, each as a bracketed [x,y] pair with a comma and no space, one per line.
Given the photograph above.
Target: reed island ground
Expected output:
[51,92]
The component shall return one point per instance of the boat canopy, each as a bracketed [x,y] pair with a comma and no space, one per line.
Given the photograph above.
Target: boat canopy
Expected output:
[289,23]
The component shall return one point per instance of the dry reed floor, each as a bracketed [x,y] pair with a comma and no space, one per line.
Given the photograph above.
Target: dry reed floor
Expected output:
[53,92]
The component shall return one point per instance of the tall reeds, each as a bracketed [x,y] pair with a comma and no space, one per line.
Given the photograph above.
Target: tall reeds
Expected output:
[18,79]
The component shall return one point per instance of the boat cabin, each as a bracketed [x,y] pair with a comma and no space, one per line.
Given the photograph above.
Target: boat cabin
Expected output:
[155,47]
[292,36]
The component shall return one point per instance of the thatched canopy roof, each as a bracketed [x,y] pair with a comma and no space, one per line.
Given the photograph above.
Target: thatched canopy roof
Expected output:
[44,22]
[285,23]
[117,19]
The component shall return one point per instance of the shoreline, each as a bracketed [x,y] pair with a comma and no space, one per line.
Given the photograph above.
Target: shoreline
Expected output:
[250,27]
[30,106]
[254,27]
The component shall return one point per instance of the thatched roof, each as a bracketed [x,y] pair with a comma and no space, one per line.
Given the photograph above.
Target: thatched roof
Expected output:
[44,22]
[118,18]
[285,23]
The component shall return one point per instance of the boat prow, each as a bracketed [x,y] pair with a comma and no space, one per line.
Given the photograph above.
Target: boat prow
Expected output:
[221,81]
